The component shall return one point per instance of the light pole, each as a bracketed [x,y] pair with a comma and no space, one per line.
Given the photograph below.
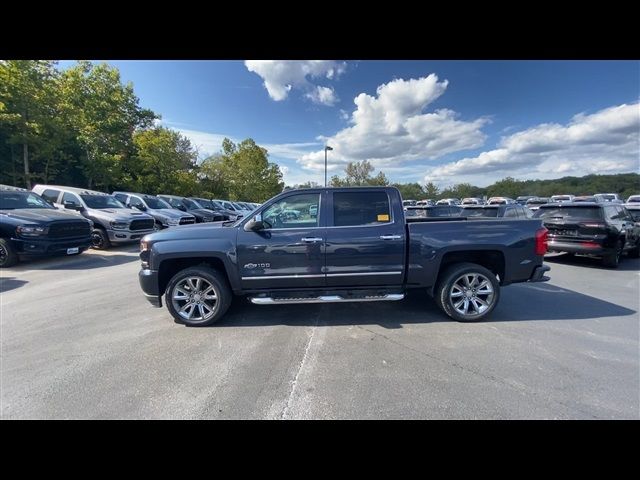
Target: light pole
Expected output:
[325,163]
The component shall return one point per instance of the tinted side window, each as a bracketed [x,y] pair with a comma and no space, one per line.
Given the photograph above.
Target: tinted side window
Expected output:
[620,214]
[510,213]
[135,202]
[526,213]
[360,208]
[51,195]
[610,213]
[70,197]
[295,211]
[122,197]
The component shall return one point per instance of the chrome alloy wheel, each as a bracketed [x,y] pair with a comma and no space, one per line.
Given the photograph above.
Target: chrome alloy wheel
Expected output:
[195,299]
[472,294]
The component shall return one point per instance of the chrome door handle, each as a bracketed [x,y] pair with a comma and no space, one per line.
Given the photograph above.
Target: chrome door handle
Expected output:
[390,237]
[311,239]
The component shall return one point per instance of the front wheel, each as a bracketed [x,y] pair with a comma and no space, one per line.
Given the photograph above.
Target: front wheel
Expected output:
[198,296]
[100,239]
[467,292]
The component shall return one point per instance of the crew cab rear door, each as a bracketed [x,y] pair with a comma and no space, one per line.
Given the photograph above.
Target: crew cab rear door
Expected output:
[365,244]
[288,252]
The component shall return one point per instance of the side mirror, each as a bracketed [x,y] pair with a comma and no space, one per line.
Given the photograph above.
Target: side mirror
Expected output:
[182,207]
[254,225]
[72,205]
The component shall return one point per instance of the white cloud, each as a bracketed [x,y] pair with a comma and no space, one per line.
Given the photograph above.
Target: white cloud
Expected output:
[392,128]
[282,76]
[206,143]
[607,141]
[284,169]
[322,96]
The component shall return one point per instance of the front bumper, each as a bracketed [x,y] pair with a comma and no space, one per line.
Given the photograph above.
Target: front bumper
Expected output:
[37,247]
[123,236]
[539,274]
[149,283]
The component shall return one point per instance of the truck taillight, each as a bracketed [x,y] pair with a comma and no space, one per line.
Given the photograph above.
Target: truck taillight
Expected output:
[541,241]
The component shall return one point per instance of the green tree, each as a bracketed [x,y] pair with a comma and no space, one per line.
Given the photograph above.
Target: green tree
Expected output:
[410,191]
[359,174]
[248,175]
[103,114]
[507,187]
[164,161]
[29,118]
[431,190]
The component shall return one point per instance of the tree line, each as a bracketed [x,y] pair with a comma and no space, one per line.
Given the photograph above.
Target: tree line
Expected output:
[84,127]
[625,184]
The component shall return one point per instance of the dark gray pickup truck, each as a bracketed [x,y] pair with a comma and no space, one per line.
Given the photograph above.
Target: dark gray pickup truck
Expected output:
[339,245]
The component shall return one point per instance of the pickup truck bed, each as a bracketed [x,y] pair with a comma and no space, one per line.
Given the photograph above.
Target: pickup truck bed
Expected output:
[344,244]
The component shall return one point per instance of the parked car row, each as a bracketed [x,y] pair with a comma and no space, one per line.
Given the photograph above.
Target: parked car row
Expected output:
[585,225]
[56,219]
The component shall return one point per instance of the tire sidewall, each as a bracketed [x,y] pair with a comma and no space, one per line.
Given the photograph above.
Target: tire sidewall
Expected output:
[212,276]
[12,256]
[444,300]
[105,239]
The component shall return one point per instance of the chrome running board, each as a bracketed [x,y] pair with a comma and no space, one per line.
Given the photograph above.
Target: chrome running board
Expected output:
[326,299]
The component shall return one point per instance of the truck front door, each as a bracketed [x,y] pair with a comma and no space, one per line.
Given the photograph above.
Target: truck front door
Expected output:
[289,252]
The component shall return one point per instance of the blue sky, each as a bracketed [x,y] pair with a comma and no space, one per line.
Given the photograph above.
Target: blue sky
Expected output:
[441,121]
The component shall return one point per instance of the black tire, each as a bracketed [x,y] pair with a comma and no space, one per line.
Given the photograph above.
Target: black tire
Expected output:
[100,239]
[8,256]
[445,292]
[612,259]
[202,318]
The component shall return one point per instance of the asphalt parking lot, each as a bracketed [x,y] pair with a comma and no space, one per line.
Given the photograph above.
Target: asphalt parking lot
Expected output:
[80,341]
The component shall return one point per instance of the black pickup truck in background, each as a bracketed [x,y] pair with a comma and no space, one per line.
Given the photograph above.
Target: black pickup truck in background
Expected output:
[343,245]
[29,227]
[602,229]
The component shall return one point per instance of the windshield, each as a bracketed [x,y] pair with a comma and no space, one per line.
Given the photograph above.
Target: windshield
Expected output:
[560,198]
[217,205]
[536,202]
[635,214]
[634,199]
[191,204]
[155,203]
[590,213]
[480,212]
[13,200]
[101,201]
[607,196]
[206,204]
[238,207]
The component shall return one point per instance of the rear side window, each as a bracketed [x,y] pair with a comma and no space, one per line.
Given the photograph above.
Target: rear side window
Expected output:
[122,197]
[360,208]
[510,213]
[51,195]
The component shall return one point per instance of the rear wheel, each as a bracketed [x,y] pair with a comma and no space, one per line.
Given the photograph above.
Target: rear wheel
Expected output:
[8,256]
[635,251]
[100,239]
[467,292]
[612,260]
[198,296]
